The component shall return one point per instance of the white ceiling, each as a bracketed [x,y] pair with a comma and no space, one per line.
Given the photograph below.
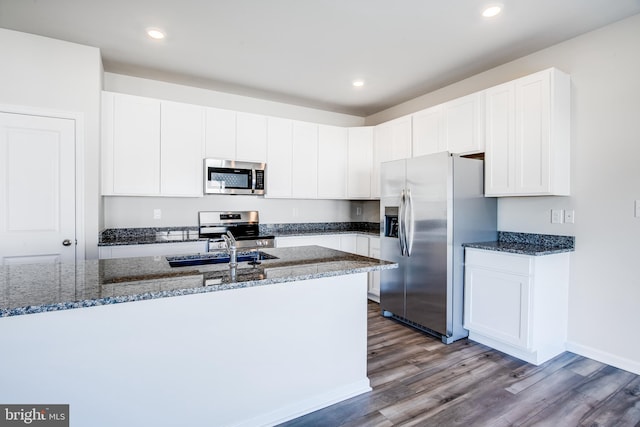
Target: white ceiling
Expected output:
[307,52]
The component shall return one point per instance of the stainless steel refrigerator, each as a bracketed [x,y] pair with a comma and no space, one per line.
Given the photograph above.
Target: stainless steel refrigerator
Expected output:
[429,207]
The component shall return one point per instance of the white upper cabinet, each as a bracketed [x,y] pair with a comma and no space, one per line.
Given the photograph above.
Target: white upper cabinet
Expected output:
[182,148]
[332,162]
[360,157]
[391,141]
[428,132]
[130,145]
[251,138]
[463,124]
[304,161]
[395,137]
[456,126]
[279,157]
[528,136]
[220,134]
[232,135]
[151,147]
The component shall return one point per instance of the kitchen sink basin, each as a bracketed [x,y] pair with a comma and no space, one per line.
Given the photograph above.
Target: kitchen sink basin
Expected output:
[216,258]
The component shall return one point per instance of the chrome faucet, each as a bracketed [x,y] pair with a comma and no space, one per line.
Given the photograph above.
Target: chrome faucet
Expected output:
[232,249]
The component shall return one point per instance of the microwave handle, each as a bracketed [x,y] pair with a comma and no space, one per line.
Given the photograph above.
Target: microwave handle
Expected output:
[253,179]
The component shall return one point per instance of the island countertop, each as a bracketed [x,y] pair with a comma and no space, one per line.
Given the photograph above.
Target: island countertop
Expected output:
[38,288]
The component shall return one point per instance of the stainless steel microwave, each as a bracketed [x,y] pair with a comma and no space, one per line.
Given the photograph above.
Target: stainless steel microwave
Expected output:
[231,177]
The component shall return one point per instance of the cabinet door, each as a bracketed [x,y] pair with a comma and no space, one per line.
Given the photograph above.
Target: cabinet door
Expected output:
[463,121]
[374,276]
[220,134]
[362,245]
[251,138]
[305,160]
[279,157]
[331,241]
[392,141]
[533,115]
[159,249]
[401,138]
[500,156]
[133,145]
[360,162]
[428,132]
[182,136]
[332,162]
[349,243]
[497,304]
[528,136]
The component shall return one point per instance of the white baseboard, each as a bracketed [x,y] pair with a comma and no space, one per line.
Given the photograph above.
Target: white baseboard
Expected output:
[604,357]
[307,406]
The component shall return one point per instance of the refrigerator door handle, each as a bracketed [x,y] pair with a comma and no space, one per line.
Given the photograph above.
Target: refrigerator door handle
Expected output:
[401,223]
[409,223]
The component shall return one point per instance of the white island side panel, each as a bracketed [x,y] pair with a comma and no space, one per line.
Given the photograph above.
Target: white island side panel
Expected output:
[251,356]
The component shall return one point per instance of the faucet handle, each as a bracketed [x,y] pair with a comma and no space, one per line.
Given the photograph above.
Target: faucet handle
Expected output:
[231,238]
[227,242]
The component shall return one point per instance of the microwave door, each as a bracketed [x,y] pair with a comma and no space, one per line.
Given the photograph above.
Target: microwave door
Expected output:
[229,180]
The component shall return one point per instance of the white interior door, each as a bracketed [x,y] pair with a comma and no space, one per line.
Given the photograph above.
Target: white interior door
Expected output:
[37,189]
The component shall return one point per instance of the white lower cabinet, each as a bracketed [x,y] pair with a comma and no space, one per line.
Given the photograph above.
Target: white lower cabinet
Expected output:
[374,276]
[155,249]
[354,243]
[331,241]
[517,304]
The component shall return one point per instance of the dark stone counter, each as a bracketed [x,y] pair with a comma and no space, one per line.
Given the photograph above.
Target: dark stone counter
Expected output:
[37,288]
[527,244]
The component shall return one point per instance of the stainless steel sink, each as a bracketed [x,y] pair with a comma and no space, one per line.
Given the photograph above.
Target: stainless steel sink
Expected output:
[216,258]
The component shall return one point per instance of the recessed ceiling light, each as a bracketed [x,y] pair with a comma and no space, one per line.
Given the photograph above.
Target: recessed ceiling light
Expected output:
[357,83]
[155,33]
[492,10]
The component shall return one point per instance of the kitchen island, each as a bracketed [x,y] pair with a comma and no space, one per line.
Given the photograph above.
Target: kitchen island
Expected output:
[137,342]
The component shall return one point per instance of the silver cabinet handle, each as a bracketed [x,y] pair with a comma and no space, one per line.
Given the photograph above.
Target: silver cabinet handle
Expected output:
[66,242]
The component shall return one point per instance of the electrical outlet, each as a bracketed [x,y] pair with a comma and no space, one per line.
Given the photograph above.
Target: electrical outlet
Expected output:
[157,214]
[358,211]
[637,209]
[569,216]
[557,216]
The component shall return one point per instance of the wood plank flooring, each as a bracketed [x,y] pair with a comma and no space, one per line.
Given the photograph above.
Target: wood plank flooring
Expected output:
[418,381]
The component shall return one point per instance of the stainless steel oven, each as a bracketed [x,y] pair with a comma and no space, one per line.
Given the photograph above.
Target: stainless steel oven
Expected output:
[231,177]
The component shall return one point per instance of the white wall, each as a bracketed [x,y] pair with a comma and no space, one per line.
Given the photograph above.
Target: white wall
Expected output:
[193,95]
[49,74]
[604,290]
[124,212]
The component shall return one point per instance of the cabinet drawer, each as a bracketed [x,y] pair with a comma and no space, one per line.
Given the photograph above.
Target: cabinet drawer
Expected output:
[513,263]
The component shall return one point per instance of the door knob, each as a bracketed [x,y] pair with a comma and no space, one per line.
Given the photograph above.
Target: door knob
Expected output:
[66,242]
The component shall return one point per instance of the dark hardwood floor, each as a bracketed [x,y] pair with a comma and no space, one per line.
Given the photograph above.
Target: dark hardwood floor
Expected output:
[418,381]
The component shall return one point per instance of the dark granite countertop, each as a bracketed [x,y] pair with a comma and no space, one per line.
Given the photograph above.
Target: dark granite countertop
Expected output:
[527,244]
[37,288]
[152,235]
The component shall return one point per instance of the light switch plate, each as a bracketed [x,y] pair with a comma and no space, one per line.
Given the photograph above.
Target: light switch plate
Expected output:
[557,215]
[637,209]
[569,216]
